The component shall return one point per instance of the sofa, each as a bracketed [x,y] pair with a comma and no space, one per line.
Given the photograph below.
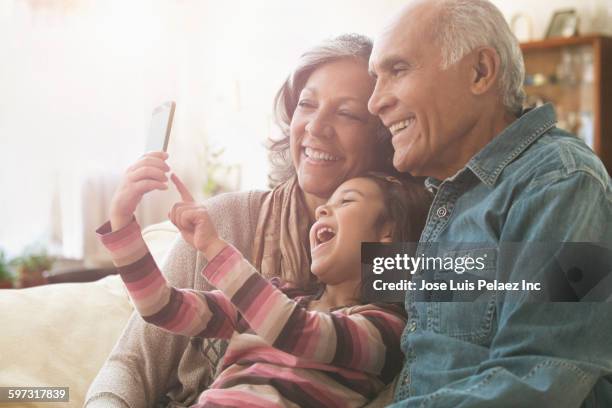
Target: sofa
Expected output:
[60,335]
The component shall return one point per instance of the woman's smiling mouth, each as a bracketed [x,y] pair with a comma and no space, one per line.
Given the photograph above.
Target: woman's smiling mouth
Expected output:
[319,156]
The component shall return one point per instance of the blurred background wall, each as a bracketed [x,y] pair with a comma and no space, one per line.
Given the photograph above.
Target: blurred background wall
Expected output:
[79,78]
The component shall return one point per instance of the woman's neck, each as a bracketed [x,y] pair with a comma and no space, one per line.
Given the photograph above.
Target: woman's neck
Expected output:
[312,202]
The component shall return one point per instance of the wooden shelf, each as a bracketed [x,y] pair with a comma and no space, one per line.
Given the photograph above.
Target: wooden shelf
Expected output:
[594,95]
[561,42]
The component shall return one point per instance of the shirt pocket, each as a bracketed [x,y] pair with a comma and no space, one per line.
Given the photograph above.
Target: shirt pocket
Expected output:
[469,314]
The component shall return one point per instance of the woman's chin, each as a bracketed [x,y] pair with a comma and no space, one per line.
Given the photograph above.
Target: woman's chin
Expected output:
[319,185]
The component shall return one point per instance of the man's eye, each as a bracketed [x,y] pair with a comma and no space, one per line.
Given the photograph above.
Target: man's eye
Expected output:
[398,70]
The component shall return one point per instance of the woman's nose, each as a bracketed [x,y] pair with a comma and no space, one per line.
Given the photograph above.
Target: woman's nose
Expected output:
[319,126]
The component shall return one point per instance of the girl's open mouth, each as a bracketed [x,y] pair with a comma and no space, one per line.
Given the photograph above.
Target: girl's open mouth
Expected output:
[323,234]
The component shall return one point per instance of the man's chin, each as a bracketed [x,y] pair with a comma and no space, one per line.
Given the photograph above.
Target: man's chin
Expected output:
[404,164]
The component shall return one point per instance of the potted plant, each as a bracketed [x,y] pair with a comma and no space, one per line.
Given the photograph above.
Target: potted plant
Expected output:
[30,268]
[6,277]
[220,177]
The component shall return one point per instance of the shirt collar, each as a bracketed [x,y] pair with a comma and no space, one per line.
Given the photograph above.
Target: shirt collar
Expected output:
[488,164]
[432,184]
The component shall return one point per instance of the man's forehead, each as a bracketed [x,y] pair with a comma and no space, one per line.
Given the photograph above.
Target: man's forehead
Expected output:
[392,43]
[408,34]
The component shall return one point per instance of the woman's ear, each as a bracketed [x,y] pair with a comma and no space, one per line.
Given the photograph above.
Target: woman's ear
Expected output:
[485,70]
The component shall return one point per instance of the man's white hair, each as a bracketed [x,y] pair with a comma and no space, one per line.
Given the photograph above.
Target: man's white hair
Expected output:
[464,25]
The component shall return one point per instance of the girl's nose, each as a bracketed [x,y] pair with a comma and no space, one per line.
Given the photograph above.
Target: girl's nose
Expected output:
[322,211]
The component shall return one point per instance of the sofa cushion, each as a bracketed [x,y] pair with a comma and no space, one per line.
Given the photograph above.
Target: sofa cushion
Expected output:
[59,335]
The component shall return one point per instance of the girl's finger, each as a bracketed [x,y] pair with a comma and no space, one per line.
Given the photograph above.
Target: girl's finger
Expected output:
[189,217]
[175,211]
[147,173]
[182,189]
[150,162]
[144,186]
[159,155]
[180,218]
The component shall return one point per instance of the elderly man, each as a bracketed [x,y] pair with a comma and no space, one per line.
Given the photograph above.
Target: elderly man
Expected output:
[449,79]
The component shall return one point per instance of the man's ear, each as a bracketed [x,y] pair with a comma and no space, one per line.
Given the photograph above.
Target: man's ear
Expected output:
[386,232]
[485,70]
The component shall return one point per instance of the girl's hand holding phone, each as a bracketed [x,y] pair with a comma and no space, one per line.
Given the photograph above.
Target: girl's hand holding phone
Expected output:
[147,174]
[194,223]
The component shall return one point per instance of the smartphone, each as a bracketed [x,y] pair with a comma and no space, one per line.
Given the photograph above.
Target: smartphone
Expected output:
[161,124]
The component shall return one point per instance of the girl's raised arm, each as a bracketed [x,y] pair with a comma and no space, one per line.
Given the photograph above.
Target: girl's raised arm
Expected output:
[182,311]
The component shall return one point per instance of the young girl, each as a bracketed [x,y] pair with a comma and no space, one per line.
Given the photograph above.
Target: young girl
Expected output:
[285,350]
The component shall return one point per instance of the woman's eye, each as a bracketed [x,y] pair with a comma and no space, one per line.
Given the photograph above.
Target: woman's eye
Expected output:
[350,115]
[305,104]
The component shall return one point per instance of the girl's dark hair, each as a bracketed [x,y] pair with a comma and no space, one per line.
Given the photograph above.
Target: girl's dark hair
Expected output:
[406,204]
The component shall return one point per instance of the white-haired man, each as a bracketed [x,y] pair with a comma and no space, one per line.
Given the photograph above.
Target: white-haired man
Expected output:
[449,87]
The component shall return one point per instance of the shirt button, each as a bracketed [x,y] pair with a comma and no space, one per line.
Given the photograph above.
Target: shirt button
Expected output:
[406,379]
[412,326]
[441,212]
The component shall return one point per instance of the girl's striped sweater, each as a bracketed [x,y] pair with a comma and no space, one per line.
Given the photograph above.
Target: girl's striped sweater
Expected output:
[280,353]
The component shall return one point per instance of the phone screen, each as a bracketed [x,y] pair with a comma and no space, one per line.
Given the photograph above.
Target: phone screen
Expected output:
[161,124]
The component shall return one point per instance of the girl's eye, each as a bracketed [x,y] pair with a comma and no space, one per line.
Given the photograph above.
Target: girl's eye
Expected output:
[346,201]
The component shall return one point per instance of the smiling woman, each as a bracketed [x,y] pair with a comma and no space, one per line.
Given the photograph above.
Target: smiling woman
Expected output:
[329,135]
[332,131]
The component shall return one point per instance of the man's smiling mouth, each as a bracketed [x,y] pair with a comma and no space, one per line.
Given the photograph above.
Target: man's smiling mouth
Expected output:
[401,125]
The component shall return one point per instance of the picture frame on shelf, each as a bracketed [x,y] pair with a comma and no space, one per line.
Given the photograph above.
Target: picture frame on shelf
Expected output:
[564,24]
[522,27]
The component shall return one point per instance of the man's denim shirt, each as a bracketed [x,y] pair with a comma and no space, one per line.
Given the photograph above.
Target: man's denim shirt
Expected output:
[532,183]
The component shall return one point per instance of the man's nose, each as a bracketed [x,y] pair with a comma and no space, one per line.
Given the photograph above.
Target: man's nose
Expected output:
[381,100]
[319,126]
